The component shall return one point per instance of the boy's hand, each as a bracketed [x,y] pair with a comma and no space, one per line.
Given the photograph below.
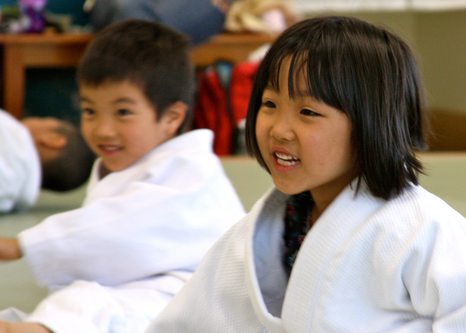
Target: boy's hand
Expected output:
[6,327]
[10,249]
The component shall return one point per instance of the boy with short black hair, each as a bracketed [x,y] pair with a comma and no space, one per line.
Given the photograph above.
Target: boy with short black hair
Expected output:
[157,199]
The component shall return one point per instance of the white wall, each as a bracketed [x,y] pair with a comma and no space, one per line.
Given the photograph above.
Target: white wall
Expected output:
[441,44]
[438,39]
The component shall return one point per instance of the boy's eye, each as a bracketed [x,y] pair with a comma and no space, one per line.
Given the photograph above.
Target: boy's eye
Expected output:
[123,112]
[309,112]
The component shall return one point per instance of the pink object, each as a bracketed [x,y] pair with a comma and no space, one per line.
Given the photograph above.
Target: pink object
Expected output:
[35,4]
[33,12]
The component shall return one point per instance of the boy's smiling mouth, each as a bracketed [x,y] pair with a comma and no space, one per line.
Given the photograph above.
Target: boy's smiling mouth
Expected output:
[108,149]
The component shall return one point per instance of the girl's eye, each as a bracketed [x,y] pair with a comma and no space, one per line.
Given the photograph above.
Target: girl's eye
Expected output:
[87,112]
[268,104]
[309,112]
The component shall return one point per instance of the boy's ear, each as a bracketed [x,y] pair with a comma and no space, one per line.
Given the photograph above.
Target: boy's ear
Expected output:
[52,140]
[174,116]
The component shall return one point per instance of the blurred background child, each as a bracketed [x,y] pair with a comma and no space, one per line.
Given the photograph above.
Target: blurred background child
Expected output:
[39,153]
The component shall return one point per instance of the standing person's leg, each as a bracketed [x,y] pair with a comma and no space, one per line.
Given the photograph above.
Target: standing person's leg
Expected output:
[104,12]
[199,19]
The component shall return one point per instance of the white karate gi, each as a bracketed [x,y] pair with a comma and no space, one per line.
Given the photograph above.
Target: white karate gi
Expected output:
[20,170]
[366,266]
[141,232]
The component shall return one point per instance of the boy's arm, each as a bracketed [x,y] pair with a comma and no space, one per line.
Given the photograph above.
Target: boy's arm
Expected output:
[10,249]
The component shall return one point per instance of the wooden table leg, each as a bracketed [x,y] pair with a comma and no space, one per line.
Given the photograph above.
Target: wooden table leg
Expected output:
[13,77]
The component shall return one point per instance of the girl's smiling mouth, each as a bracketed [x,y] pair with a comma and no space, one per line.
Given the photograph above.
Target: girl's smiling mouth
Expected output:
[285,160]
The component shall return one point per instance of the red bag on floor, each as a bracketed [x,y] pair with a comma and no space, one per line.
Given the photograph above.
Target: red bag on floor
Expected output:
[223,96]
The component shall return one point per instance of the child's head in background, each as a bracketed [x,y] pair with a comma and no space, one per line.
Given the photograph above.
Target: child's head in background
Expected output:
[335,99]
[136,85]
[66,160]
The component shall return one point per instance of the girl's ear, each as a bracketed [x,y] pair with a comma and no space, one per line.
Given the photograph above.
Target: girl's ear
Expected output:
[174,117]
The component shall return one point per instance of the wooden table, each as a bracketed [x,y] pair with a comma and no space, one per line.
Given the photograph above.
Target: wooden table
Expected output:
[35,51]
[52,50]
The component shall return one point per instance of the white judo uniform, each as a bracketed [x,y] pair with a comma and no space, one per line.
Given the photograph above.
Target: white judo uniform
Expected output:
[115,262]
[20,171]
[366,266]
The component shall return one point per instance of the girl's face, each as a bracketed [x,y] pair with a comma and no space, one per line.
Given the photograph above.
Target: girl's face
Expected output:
[305,143]
[120,124]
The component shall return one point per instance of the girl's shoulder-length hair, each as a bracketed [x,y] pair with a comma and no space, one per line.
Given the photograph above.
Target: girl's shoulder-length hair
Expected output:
[369,74]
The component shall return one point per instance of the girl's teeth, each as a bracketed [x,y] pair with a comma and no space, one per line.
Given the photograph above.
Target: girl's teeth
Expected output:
[285,163]
[285,156]
[285,160]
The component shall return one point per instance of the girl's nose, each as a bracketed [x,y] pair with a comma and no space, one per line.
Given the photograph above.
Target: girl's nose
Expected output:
[282,129]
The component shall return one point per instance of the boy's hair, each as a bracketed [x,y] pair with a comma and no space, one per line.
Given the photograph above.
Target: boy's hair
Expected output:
[72,167]
[151,55]
[369,74]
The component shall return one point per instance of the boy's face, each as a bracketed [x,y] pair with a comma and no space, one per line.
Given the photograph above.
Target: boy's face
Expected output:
[120,124]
